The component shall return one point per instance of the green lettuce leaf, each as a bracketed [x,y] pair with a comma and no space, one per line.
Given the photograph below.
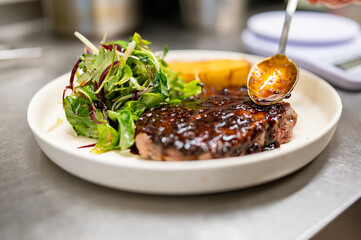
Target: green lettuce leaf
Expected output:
[126,127]
[160,83]
[77,114]
[108,138]
[151,99]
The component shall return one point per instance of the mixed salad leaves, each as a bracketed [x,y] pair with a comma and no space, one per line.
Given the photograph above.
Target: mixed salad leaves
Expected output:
[114,85]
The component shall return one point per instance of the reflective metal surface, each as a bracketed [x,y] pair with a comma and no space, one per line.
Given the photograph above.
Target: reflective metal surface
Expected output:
[38,200]
[92,17]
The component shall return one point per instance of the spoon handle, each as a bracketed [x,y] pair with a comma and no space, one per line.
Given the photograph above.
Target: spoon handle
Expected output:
[290,10]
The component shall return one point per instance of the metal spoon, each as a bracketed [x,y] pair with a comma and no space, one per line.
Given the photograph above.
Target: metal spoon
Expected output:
[273,78]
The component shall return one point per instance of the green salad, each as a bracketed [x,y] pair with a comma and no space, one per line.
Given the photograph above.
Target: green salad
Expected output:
[113,85]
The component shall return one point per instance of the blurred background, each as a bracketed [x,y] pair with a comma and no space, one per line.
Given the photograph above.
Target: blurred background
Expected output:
[48,25]
[39,35]
[188,19]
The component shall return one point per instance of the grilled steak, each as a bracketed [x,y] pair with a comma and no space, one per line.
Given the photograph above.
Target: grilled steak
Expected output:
[220,124]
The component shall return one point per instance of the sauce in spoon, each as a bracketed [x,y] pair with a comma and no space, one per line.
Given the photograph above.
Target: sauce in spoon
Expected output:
[272,80]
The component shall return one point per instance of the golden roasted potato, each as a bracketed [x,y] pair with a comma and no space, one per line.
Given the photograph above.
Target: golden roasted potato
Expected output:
[220,73]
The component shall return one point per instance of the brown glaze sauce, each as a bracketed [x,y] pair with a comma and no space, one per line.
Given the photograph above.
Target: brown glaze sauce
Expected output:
[223,123]
[134,150]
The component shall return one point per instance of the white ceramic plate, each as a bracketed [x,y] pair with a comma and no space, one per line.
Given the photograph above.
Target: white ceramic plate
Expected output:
[316,102]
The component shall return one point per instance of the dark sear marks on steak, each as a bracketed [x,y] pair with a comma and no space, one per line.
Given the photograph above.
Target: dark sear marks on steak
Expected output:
[222,123]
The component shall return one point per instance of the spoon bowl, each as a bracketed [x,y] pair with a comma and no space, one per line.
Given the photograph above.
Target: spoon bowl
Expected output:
[272,79]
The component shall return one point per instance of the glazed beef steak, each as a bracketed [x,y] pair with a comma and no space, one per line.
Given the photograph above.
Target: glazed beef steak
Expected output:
[222,123]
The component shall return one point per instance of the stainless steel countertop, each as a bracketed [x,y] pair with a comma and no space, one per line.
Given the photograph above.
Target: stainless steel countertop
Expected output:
[38,200]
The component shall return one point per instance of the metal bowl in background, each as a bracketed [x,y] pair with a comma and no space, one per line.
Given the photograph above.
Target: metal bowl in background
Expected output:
[92,17]
[219,17]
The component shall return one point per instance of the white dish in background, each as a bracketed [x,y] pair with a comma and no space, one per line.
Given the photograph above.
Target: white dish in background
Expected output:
[316,102]
[308,28]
